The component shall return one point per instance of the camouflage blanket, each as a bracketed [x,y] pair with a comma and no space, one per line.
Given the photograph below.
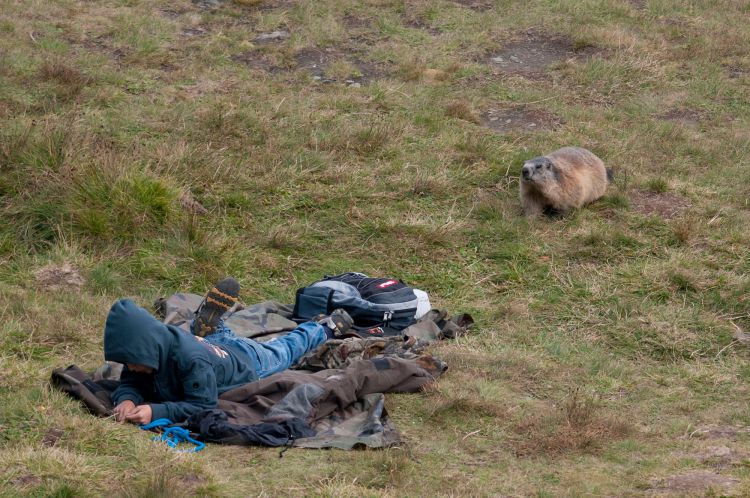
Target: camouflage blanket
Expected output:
[270,319]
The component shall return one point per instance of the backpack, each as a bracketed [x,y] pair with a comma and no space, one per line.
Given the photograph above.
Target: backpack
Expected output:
[371,302]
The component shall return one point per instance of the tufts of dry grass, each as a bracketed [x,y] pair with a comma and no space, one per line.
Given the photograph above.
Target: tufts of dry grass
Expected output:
[577,425]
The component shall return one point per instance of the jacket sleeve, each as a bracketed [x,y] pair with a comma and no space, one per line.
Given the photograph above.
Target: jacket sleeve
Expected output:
[199,393]
[132,386]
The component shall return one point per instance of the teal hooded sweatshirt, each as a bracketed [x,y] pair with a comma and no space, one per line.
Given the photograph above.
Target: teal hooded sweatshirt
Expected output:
[189,373]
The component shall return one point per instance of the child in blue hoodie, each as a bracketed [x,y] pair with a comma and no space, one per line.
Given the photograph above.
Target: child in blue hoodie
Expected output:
[170,373]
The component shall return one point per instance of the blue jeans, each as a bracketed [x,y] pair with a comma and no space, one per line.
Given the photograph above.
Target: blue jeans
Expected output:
[275,355]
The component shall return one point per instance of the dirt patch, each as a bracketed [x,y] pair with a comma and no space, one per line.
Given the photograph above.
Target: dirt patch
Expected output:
[663,204]
[269,5]
[420,24]
[683,115]
[26,480]
[575,425]
[352,21]
[532,55]
[720,432]
[172,14]
[735,72]
[638,4]
[720,456]
[519,118]
[51,437]
[696,481]
[319,64]
[478,5]
[55,277]
[104,44]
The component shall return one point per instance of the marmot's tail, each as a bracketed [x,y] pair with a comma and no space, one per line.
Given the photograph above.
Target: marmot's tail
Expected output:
[610,175]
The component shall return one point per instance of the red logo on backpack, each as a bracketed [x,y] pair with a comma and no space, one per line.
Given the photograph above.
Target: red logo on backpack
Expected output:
[387,284]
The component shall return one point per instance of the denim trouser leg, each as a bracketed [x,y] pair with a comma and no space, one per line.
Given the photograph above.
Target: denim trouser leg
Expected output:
[275,355]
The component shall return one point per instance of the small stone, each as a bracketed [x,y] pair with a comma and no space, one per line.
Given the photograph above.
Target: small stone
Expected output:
[355,85]
[317,78]
[272,36]
[515,59]
[741,337]
[493,118]
[498,60]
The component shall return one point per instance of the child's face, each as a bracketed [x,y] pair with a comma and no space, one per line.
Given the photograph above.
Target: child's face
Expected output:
[135,367]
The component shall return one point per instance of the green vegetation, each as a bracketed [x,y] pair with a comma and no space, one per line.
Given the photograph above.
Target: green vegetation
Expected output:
[365,141]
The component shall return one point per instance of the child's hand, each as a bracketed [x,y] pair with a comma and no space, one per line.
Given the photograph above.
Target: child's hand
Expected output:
[123,409]
[140,415]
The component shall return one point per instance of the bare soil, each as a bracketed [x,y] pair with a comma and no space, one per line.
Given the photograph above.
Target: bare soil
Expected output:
[683,115]
[519,118]
[534,53]
[720,432]
[663,204]
[720,456]
[478,5]
[694,482]
[419,23]
[316,61]
[52,436]
[55,277]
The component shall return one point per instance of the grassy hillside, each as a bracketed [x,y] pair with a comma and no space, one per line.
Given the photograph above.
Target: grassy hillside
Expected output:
[387,136]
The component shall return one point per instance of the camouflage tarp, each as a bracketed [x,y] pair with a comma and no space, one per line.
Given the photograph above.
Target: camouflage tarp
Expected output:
[262,321]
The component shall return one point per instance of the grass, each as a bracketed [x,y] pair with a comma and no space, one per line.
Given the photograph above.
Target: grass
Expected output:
[604,337]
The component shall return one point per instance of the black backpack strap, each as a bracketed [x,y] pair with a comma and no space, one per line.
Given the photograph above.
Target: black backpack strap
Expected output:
[295,312]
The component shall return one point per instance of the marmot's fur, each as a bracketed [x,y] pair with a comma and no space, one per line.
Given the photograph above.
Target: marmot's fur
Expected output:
[563,180]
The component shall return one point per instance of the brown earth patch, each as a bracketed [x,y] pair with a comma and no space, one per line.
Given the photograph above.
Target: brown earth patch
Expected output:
[104,45]
[577,425]
[316,62]
[55,277]
[51,437]
[419,23]
[519,118]
[26,480]
[735,72]
[683,115]
[696,481]
[638,4]
[172,14]
[478,5]
[352,21]
[663,204]
[268,5]
[720,432]
[720,456]
[531,55]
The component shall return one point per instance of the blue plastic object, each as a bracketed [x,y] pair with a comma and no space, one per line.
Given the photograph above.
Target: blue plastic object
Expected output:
[173,436]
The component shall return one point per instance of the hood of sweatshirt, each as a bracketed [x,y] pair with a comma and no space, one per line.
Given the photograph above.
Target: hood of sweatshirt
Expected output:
[132,335]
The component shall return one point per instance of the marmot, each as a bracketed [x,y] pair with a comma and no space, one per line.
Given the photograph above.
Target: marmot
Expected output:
[563,180]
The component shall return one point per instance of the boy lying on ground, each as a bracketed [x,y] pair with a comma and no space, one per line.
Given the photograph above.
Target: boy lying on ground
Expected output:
[172,374]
